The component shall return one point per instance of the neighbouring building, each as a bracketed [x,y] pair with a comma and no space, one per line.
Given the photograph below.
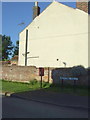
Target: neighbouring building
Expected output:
[57,37]
[14,60]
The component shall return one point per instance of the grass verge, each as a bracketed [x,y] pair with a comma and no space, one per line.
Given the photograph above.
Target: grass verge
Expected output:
[77,90]
[14,87]
[8,86]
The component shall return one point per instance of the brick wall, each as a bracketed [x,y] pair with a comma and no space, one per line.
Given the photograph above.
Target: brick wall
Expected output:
[23,74]
[82,5]
[26,74]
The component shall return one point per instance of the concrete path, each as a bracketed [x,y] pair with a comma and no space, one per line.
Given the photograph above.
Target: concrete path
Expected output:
[59,99]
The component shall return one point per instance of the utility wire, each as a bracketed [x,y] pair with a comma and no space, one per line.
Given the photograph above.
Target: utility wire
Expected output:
[59,36]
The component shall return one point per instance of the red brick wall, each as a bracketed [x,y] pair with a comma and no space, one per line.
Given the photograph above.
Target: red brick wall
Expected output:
[82,6]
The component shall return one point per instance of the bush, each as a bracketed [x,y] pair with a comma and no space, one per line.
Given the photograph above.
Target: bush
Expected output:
[33,82]
[46,84]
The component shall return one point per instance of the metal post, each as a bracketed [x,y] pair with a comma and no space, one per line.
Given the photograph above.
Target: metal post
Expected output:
[41,82]
[26,47]
[62,82]
[74,86]
[62,85]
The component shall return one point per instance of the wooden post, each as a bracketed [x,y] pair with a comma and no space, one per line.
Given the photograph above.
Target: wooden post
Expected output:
[48,74]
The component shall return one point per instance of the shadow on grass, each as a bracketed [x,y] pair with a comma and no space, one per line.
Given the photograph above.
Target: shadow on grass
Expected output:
[69,89]
[15,87]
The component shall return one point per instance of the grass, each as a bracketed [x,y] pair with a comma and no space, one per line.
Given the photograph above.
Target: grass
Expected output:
[77,90]
[13,87]
[8,86]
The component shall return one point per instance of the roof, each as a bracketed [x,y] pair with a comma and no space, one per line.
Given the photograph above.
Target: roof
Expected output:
[14,58]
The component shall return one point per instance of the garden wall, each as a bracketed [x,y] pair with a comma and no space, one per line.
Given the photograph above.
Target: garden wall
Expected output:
[67,73]
[28,73]
[24,74]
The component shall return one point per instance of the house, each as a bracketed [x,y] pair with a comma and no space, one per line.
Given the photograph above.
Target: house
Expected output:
[14,60]
[58,37]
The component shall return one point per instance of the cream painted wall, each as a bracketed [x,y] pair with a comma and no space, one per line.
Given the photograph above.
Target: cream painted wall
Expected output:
[59,32]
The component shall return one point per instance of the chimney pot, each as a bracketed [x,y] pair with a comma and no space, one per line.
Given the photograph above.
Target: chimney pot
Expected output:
[36,3]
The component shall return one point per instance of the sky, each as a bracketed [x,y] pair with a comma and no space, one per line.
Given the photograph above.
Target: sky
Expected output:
[1,17]
[14,13]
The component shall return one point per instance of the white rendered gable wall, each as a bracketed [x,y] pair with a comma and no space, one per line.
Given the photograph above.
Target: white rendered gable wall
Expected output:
[60,32]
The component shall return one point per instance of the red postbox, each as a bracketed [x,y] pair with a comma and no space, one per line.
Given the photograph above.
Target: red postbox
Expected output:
[41,71]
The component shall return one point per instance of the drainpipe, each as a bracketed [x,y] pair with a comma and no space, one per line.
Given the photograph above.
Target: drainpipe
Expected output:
[26,47]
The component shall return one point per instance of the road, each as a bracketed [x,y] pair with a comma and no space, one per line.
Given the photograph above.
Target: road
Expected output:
[20,108]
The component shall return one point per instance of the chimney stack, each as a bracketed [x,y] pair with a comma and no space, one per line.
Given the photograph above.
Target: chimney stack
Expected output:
[36,10]
[82,5]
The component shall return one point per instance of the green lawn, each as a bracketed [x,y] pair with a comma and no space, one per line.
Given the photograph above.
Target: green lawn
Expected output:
[12,87]
[8,86]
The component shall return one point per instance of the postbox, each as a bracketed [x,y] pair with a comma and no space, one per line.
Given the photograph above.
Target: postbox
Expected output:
[41,71]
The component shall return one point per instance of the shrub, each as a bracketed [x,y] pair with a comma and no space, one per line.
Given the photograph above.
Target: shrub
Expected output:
[32,82]
[46,84]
